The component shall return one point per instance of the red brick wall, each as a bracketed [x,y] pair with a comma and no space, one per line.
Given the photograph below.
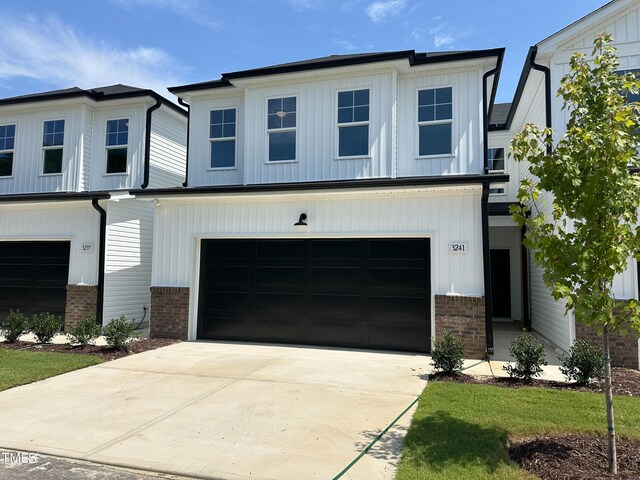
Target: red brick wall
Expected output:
[169,312]
[463,316]
[81,304]
[624,350]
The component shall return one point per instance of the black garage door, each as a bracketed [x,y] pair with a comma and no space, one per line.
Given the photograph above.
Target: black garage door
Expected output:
[33,277]
[370,293]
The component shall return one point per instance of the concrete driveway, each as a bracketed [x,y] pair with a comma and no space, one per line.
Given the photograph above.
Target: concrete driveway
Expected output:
[223,410]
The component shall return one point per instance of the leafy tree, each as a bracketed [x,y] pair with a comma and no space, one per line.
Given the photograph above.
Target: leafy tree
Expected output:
[591,230]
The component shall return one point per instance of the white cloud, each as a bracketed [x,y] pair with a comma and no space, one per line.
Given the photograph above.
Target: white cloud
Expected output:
[443,40]
[52,52]
[345,45]
[441,35]
[306,4]
[384,10]
[189,10]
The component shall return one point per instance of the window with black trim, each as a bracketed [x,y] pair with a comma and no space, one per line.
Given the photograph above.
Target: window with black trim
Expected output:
[353,123]
[7,141]
[222,138]
[281,128]
[117,142]
[52,146]
[497,165]
[435,121]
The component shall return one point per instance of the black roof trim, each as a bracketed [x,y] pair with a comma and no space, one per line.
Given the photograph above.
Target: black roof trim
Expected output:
[436,180]
[54,196]
[111,92]
[342,61]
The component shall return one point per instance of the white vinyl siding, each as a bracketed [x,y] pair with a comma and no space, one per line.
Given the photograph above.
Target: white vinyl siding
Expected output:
[128,259]
[168,152]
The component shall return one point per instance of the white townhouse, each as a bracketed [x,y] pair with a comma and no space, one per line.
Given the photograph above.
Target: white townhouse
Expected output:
[536,102]
[72,239]
[341,201]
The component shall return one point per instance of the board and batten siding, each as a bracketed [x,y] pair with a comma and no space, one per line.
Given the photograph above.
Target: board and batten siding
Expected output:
[28,156]
[100,180]
[200,172]
[87,139]
[168,150]
[444,215]
[128,259]
[317,131]
[74,221]
[467,141]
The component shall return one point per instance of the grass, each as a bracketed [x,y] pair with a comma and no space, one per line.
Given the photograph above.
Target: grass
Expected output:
[460,430]
[18,367]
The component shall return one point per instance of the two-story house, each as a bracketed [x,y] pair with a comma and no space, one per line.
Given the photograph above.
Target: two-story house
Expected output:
[536,102]
[72,240]
[335,201]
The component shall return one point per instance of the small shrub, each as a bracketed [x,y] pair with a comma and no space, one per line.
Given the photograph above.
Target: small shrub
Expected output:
[584,362]
[529,355]
[44,326]
[14,325]
[118,332]
[448,353]
[85,332]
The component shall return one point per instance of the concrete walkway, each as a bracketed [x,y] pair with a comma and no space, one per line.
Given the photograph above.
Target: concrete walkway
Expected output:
[222,410]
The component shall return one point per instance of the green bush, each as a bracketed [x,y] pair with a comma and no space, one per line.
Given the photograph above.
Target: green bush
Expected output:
[14,325]
[529,355]
[85,332]
[584,362]
[448,354]
[44,326]
[118,332]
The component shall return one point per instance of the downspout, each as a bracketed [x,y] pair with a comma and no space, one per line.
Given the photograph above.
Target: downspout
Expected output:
[547,85]
[486,253]
[186,166]
[147,143]
[101,258]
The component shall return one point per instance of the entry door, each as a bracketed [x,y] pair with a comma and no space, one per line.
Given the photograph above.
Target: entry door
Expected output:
[501,283]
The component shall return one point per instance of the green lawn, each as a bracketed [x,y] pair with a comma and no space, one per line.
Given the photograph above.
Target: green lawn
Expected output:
[460,430]
[20,367]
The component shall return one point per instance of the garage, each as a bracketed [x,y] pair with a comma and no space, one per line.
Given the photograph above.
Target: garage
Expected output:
[33,277]
[366,293]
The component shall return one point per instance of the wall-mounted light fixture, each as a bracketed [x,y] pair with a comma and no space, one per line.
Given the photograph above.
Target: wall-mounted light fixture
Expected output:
[301,221]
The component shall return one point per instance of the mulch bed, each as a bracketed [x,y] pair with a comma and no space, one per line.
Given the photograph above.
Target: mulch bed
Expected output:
[105,353]
[574,457]
[625,382]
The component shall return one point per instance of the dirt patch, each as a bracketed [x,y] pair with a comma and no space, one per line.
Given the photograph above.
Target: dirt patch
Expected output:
[105,353]
[574,457]
[625,382]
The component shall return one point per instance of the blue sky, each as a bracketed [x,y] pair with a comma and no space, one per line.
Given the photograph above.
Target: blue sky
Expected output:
[158,43]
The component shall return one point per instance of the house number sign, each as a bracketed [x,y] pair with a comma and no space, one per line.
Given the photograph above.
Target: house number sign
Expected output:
[458,248]
[86,247]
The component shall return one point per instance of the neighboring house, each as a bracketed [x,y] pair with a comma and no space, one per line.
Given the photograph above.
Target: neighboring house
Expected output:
[72,240]
[536,102]
[334,201]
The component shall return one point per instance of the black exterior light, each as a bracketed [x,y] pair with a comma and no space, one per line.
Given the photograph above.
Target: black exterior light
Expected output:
[301,221]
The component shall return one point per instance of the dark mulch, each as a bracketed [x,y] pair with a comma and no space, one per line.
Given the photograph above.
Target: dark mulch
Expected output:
[625,382]
[103,352]
[574,457]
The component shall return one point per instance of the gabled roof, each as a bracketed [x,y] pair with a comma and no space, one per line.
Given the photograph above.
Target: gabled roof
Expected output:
[333,61]
[109,92]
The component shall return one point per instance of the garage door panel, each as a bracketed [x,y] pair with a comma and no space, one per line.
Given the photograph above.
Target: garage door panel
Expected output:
[371,293]
[228,275]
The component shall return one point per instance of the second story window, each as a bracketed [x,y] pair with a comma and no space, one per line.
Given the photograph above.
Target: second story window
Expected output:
[281,129]
[353,123]
[7,140]
[222,137]
[117,141]
[435,118]
[53,145]
[497,165]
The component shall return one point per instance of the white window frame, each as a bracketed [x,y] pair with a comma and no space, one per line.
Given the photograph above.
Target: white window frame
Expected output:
[54,147]
[434,122]
[504,189]
[222,139]
[113,147]
[352,124]
[280,130]
[12,150]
